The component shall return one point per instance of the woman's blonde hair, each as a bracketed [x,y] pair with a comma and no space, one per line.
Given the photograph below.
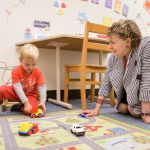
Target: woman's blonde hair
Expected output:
[29,51]
[126,29]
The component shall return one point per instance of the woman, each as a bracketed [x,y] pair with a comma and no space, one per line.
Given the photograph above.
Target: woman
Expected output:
[128,71]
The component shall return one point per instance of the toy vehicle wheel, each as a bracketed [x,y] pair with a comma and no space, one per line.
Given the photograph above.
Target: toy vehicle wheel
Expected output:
[40,115]
[29,133]
[33,116]
[35,130]
[71,131]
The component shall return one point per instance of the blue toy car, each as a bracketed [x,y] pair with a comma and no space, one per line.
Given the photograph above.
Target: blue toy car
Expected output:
[83,115]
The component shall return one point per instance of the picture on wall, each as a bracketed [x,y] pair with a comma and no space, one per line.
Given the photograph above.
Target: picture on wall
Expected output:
[108,4]
[106,21]
[125,10]
[95,1]
[41,29]
[117,6]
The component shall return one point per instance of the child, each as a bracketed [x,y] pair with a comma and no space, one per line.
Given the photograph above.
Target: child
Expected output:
[28,83]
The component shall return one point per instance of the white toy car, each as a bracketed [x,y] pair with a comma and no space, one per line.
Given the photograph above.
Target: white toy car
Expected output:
[77,129]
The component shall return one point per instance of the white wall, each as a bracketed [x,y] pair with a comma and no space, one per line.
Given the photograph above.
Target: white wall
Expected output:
[12,28]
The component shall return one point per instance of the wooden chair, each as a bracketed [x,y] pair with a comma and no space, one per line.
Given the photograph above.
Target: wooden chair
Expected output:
[83,68]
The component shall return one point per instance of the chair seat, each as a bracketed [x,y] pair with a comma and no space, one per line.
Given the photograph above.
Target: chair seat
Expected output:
[89,68]
[77,83]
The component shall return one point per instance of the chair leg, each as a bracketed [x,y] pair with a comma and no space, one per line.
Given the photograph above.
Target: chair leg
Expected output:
[66,84]
[4,105]
[83,97]
[92,90]
[112,98]
[83,89]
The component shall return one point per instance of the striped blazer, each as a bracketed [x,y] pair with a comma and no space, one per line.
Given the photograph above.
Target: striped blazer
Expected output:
[135,79]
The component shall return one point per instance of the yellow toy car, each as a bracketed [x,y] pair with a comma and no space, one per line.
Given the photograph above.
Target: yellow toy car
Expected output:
[27,128]
[38,114]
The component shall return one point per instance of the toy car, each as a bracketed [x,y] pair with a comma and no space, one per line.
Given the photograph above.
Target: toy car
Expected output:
[27,128]
[77,129]
[38,114]
[83,115]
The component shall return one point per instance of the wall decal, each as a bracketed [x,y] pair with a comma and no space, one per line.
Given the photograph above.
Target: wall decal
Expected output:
[117,6]
[108,4]
[59,7]
[125,10]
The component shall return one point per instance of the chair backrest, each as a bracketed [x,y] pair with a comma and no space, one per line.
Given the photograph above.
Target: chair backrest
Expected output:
[93,44]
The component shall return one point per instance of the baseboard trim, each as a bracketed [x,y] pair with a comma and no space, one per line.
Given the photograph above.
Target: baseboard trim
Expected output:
[73,94]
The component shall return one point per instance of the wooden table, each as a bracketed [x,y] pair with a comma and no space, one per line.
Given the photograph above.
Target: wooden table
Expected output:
[63,42]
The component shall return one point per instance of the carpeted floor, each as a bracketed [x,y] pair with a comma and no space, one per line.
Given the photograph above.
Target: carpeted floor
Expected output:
[106,111]
[101,133]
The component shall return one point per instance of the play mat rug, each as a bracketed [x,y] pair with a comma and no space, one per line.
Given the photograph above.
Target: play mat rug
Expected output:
[102,133]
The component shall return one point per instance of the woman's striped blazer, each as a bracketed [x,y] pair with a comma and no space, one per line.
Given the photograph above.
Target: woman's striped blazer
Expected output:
[135,79]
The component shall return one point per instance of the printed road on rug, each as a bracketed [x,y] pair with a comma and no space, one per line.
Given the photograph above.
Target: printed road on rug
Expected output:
[102,133]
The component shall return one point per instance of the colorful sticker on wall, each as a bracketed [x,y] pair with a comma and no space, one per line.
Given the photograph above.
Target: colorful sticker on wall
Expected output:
[108,4]
[28,32]
[82,17]
[95,1]
[125,10]
[117,6]
[41,29]
[107,21]
[14,6]
[147,5]
[59,7]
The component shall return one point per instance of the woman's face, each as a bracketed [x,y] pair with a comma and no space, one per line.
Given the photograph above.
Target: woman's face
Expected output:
[119,46]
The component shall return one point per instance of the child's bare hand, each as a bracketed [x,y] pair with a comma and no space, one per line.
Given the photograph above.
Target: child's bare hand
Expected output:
[43,107]
[27,107]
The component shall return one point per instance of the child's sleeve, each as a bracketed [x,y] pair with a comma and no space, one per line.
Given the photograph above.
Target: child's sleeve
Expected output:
[19,91]
[17,86]
[41,87]
[42,93]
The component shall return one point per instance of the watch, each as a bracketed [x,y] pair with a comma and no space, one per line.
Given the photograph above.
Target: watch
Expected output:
[145,114]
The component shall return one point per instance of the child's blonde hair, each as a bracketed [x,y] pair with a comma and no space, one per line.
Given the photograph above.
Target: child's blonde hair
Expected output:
[29,51]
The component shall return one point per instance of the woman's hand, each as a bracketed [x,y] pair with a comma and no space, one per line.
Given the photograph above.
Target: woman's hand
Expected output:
[146,119]
[94,112]
[146,109]
[43,107]
[90,113]
[27,108]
